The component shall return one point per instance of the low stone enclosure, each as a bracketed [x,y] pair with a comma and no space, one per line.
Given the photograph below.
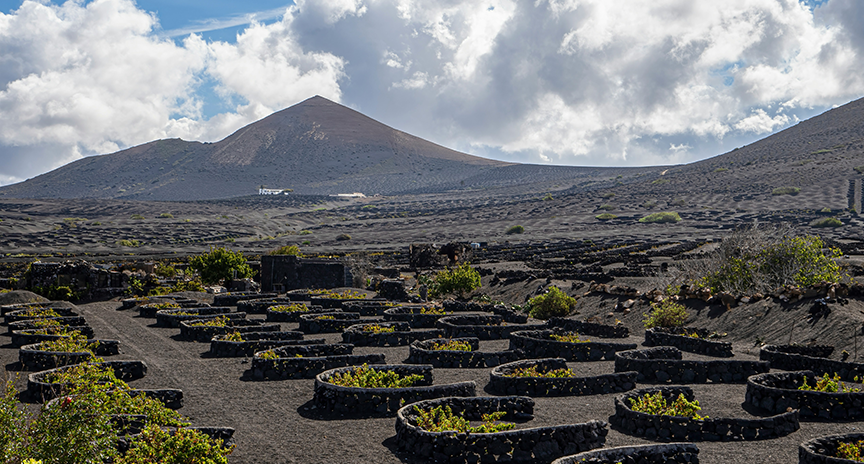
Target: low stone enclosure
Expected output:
[358,334]
[313,359]
[171,318]
[293,316]
[539,344]
[666,428]
[4,309]
[70,321]
[412,315]
[809,358]
[32,313]
[32,358]
[356,401]
[226,434]
[256,341]
[678,337]
[664,365]
[232,298]
[669,453]
[38,388]
[822,450]
[484,327]
[367,307]
[531,445]
[589,328]
[203,333]
[501,310]
[338,303]
[30,336]
[311,324]
[260,305]
[422,352]
[502,384]
[149,310]
[776,392]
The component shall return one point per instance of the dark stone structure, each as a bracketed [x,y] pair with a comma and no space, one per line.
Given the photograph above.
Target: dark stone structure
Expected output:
[539,344]
[202,333]
[374,307]
[313,360]
[664,365]
[233,298]
[30,336]
[776,392]
[489,327]
[280,273]
[260,305]
[355,401]
[71,321]
[44,391]
[173,317]
[403,335]
[294,316]
[506,313]
[535,387]
[677,337]
[257,341]
[421,352]
[669,453]
[809,358]
[822,450]
[34,359]
[29,314]
[310,324]
[534,445]
[412,315]
[589,328]
[677,428]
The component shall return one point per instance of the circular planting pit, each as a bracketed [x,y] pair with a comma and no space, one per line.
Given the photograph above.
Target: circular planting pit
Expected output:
[221,347]
[484,327]
[501,310]
[776,392]
[669,453]
[131,303]
[260,305]
[416,315]
[70,321]
[423,352]
[823,450]
[589,328]
[307,361]
[540,344]
[664,365]
[172,318]
[232,298]
[677,428]
[356,401]
[4,309]
[204,333]
[501,381]
[368,307]
[679,338]
[809,358]
[365,334]
[337,303]
[532,445]
[33,358]
[38,388]
[313,324]
[226,434]
[37,313]
[31,336]
[282,313]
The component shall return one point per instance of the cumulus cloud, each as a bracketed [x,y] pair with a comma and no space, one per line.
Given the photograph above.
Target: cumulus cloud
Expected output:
[595,82]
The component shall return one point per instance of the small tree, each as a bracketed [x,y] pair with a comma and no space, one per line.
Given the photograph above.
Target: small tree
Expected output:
[553,303]
[459,280]
[292,250]
[666,313]
[220,264]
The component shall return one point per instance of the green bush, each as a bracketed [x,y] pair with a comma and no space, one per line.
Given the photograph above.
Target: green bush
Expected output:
[166,216]
[129,243]
[136,216]
[607,195]
[655,404]
[186,446]
[460,280]
[661,218]
[827,222]
[343,237]
[606,207]
[553,303]
[369,377]
[786,191]
[220,264]
[515,230]
[292,250]
[605,216]
[548,197]
[666,313]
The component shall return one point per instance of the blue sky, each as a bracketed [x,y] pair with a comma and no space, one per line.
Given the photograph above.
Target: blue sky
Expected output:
[583,82]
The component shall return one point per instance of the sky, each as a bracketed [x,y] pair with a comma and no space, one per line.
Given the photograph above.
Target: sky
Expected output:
[572,82]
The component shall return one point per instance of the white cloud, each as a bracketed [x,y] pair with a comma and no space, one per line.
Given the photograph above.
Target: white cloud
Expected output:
[596,82]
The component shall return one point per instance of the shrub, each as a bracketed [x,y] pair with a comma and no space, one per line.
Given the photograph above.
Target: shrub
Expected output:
[70,344]
[459,280]
[234,337]
[606,207]
[268,354]
[605,216]
[660,181]
[136,216]
[376,328]
[220,264]
[656,404]
[220,321]
[292,308]
[134,243]
[517,229]
[452,345]
[786,191]
[661,218]
[13,422]
[304,232]
[649,204]
[851,451]
[57,292]
[550,374]
[291,250]
[366,377]
[187,286]
[607,195]
[553,303]
[666,313]
[165,271]
[185,446]
[830,384]
[547,197]
[570,337]
[826,222]
[434,310]
[442,419]
[343,237]
[166,216]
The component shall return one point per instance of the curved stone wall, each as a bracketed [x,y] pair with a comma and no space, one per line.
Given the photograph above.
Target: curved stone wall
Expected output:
[336,303]
[25,314]
[535,387]
[310,324]
[34,359]
[70,321]
[776,392]
[260,305]
[501,310]
[664,365]
[677,428]
[421,352]
[800,358]
[356,401]
[821,450]
[670,453]
[538,344]
[589,328]
[484,327]
[256,341]
[676,337]
[531,445]
[294,316]
[367,307]
[44,391]
[312,360]
[204,334]
[31,336]
[232,298]
[403,335]
[413,316]
[173,317]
